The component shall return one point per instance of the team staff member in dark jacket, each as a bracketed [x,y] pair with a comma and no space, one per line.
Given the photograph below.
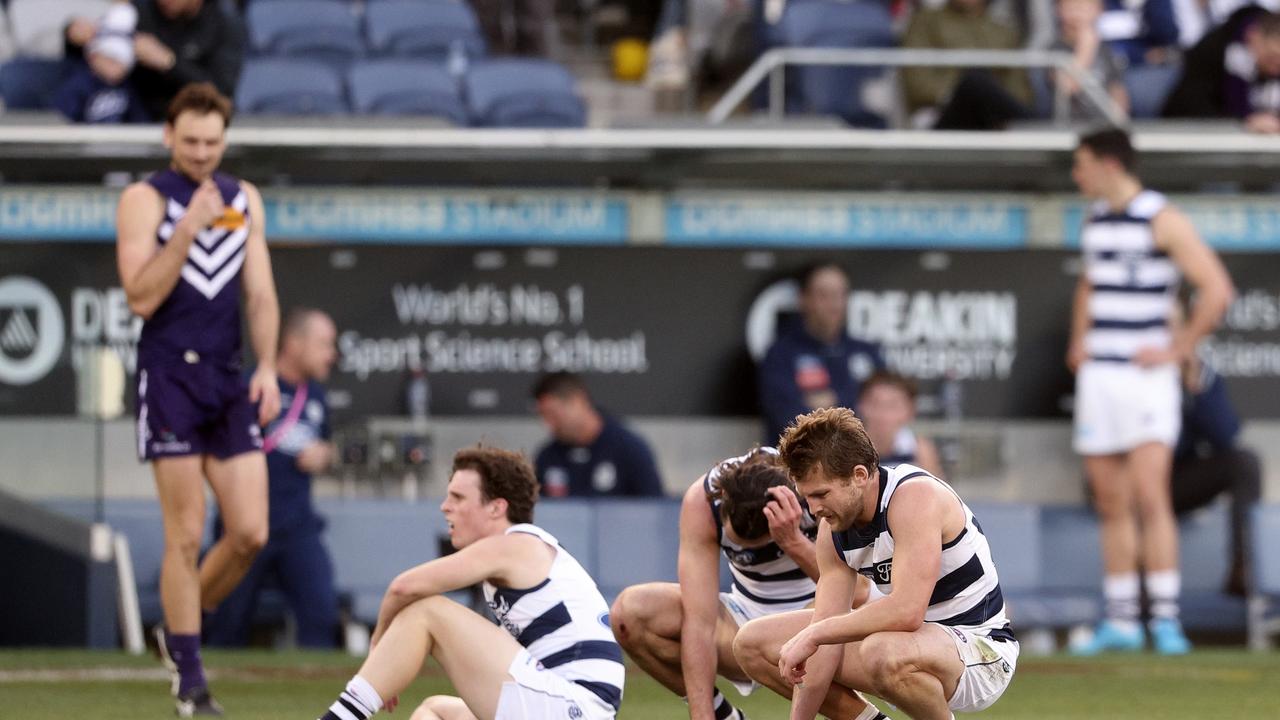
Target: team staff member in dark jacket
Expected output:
[1209,461]
[1233,72]
[184,41]
[590,454]
[814,363]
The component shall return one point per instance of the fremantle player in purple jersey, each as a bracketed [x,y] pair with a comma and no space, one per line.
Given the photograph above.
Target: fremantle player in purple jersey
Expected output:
[190,242]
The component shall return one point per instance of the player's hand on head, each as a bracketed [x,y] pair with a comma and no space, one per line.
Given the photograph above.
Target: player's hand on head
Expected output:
[264,391]
[784,513]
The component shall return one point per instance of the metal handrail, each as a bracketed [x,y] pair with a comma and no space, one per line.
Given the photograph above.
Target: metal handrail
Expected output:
[774,62]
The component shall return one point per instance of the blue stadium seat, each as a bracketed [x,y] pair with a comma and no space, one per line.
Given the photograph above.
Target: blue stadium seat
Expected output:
[423,28]
[637,541]
[1070,587]
[1264,567]
[523,93]
[573,523]
[325,30]
[1148,86]
[405,87]
[834,90]
[270,86]
[29,83]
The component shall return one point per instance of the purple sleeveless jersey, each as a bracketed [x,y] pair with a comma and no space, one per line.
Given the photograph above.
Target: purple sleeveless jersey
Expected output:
[192,399]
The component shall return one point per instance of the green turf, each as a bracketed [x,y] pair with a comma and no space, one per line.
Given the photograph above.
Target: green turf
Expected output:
[259,685]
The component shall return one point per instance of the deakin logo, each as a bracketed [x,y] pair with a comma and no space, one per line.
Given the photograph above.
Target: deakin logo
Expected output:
[31,331]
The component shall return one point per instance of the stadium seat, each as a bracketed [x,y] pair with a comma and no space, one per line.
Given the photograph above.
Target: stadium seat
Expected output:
[573,523]
[326,30]
[523,93]
[405,87]
[1264,602]
[1070,586]
[636,541]
[1148,86]
[271,86]
[1013,531]
[423,28]
[29,83]
[834,90]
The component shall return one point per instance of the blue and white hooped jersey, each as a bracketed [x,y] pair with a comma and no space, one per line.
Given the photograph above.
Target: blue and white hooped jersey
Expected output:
[1133,282]
[563,622]
[764,574]
[967,594]
[202,312]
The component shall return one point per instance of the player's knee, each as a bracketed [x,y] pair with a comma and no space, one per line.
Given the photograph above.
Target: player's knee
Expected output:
[248,542]
[185,546]
[626,615]
[749,645]
[884,662]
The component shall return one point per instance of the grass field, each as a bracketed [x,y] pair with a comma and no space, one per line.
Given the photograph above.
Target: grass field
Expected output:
[260,685]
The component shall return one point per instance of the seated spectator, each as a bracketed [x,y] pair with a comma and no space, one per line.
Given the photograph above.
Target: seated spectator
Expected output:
[1208,461]
[957,25]
[1233,72]
[98,90]
[814,363]
[590,454]
[979,103]
[887,407]
[45,28]
[1140,31]
[180,42]
[1197,17]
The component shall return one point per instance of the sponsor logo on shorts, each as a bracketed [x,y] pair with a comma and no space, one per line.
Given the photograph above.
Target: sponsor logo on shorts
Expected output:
[575,712]
[171,446]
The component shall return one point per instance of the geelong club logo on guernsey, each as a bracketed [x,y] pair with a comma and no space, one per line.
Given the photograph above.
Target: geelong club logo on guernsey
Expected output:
[31,330]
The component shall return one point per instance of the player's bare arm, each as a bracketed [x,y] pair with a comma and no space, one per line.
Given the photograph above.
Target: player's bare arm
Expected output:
[149,272]
[784,514]
[262,309]
[838,587]
[1079,322]
[698,568]
[1200,265]
[515,560]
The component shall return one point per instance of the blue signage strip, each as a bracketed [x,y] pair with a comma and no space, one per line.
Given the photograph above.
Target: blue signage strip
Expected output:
[351,216]
[1237,225]
[853,222]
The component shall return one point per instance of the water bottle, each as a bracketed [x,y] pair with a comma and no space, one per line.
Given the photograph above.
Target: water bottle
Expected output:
[457,61]
[418,396]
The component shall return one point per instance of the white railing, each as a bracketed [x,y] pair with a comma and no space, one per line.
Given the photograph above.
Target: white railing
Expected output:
[773,65]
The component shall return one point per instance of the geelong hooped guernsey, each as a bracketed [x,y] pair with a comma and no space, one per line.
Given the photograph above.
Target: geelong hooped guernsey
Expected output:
[1133,282]
[967,594]
[202,313]
[762,574]
[563,622]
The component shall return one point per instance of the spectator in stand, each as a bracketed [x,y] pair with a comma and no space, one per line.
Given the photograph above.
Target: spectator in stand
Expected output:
[1140,31]
[98,90]
[184,41]
[1233,72]
[590,454]
[49,28]
[979,103]
[1197,17]
[957,25]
